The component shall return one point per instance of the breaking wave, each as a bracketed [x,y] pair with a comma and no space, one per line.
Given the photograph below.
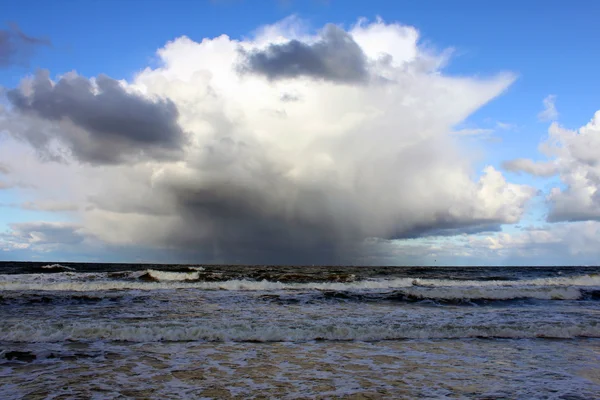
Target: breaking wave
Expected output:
[152,275]
[56,268]
[399,289]
[153,305]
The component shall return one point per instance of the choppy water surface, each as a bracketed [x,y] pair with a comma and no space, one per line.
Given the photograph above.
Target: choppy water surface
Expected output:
[104,331]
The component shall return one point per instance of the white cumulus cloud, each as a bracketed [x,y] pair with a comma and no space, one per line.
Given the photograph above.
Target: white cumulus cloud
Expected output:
[575,156]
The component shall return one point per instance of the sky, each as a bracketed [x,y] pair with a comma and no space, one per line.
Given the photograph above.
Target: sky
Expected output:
[300,132]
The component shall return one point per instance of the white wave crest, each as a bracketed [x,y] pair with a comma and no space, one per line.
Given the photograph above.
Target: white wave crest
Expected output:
[173,280]
[164,276]
[58,267]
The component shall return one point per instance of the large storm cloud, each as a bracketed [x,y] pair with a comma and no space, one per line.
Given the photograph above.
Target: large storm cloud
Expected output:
[260,178]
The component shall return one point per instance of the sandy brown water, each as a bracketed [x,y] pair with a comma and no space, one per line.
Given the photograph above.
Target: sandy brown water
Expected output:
[435,369]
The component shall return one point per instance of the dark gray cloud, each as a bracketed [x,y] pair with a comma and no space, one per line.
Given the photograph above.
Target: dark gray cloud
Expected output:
[109,125]
[16,47]
[336,57]
[261,241]
[256,229]
[446,226]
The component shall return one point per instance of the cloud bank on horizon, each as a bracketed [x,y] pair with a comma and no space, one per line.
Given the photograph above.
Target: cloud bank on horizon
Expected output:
[287,147]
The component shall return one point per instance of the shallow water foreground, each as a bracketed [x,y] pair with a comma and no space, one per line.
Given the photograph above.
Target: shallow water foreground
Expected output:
[437,369]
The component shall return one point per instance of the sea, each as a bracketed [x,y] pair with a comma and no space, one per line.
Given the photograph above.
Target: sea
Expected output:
[141,331]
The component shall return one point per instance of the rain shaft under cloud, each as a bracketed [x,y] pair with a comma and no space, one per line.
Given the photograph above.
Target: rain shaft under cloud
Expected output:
[264,179]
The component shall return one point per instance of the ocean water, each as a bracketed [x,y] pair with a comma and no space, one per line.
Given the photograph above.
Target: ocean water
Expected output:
[172,331]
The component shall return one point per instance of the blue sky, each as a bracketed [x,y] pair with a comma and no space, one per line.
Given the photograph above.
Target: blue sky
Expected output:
[550,48]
